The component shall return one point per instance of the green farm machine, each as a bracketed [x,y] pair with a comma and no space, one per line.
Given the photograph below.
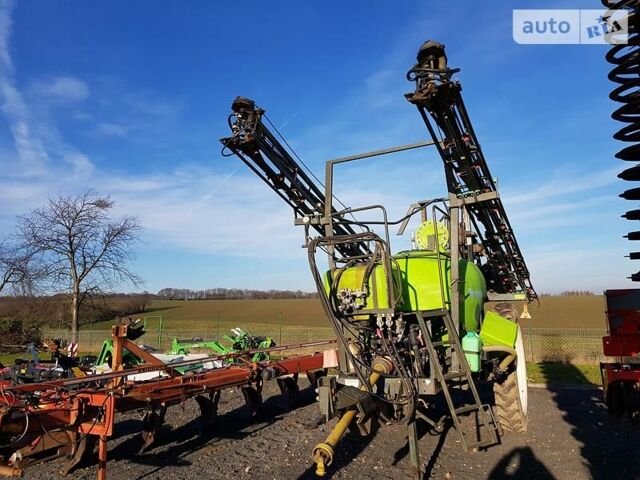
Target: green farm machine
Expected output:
[414,324]
[240,340]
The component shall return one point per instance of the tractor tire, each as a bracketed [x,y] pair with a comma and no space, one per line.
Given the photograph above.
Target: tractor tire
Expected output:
[511,394]
[509,409]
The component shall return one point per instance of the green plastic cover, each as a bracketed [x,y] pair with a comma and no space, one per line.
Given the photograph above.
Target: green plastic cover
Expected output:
[498,330]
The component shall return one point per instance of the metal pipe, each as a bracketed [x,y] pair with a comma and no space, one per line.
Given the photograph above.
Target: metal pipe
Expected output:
[323,452]
[102,457]
[385,221]
[510,351]
[385,151]
[328,189]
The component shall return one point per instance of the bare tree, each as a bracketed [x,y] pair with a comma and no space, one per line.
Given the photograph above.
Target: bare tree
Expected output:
[15,268]
[79,248]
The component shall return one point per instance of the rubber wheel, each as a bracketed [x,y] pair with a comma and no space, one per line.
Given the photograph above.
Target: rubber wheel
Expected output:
[511,393]
[509,410]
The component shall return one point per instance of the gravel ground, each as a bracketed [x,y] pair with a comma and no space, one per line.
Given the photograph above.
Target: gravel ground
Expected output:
[570,437]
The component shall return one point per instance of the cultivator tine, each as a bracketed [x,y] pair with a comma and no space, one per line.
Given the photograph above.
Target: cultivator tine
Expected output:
[313,377]
[152,423]
[208,409]
[289,389]
[83,450]
[253,399]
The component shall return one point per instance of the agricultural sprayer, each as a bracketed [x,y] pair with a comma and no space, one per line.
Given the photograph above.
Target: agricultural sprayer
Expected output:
[399,318]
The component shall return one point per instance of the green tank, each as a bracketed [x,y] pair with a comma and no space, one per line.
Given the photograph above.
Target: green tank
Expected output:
[421,286]
[417,274]
[352,279]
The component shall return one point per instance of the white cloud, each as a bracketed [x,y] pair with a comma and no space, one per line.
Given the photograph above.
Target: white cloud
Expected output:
[80,163]
[194,209]
[5,29]
[31,153]
[65,89]
[563,181]
[112,129]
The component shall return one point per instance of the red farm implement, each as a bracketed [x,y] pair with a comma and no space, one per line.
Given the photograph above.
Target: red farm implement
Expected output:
[68,417]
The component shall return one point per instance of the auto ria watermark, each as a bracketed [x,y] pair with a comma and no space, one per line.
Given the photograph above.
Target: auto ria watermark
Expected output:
[570,27]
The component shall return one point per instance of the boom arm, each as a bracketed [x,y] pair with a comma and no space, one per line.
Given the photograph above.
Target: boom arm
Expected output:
[261,151]
[468,177]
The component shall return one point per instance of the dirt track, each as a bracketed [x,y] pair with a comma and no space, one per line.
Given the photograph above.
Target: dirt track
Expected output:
[570,437]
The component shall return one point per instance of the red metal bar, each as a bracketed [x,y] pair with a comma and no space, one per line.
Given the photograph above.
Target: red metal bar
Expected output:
[102,458]
[144,368]
[168,389]
[622,372]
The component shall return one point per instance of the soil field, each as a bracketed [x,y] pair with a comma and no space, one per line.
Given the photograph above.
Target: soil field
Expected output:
[570,437]
[553,312]
[195,313]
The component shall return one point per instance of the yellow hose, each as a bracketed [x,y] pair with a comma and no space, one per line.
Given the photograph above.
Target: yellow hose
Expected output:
[506,361]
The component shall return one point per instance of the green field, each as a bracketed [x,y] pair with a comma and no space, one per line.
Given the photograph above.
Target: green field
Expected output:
[553,312]
[554,373]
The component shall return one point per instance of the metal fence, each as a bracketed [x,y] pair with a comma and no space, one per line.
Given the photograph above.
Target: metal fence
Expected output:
[91,340]
[567,345]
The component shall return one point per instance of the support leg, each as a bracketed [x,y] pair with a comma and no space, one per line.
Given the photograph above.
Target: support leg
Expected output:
[414,451]
[102,458]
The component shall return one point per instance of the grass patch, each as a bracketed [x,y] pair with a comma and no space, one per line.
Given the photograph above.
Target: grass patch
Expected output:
[8,359]
[558,373]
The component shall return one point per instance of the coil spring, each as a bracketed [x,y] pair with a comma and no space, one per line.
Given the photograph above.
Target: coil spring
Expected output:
[626,73]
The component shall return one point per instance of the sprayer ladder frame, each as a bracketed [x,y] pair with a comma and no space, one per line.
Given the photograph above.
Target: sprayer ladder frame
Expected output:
[461,373]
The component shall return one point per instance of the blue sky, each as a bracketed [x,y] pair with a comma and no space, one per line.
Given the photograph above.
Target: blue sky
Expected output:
[131,97]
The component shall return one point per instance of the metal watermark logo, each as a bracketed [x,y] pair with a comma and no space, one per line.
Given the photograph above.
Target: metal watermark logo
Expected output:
[570,27]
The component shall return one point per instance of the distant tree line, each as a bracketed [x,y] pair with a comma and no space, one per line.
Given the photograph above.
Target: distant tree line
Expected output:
[232,294]
[570,293]
[53,311]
